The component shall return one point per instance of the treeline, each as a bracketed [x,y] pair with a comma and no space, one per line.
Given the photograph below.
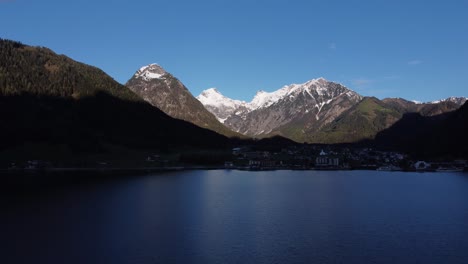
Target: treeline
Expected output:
[39,71]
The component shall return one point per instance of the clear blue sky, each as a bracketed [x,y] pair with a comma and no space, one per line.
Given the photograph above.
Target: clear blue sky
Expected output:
[412,49]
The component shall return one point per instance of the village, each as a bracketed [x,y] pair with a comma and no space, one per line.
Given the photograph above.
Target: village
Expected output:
[335,158]
[297,157]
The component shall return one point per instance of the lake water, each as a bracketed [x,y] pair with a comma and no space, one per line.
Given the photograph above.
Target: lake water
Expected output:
[223,216]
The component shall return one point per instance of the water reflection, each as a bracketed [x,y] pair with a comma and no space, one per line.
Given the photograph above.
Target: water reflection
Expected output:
[244,217]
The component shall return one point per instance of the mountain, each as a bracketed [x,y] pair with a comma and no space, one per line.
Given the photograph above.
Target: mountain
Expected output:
[318,111]
[426,109]
[371,115]
[456,100]
[295,111]
[58,105]
[442,135]
[221,106]
[362,121]
[164,91]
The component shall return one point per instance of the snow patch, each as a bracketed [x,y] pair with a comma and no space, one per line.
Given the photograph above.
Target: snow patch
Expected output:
[212,97]
[222,120]
[150,72]
[264,99]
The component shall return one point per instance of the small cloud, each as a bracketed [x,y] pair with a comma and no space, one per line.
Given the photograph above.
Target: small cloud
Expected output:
[361,82]
[332,46]
[414,62]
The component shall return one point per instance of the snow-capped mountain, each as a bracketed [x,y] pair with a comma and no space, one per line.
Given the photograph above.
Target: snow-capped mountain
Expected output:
[456,100]
[158,87]
[292,111]
[219,105]
[317,111]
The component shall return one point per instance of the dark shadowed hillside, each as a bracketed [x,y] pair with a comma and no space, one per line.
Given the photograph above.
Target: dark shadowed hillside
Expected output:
[443,135]
[50,99]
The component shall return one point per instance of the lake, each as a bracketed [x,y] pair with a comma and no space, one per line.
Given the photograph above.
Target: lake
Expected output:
[222,216]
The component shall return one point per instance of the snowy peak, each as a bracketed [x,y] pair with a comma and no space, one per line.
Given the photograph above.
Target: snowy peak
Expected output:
[264,99]
[457,100]
[150,72]
[219,105]
[210,93]
[319,82]
[316,88]
[213,97]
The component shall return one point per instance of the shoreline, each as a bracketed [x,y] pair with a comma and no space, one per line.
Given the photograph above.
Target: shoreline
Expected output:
[186,168]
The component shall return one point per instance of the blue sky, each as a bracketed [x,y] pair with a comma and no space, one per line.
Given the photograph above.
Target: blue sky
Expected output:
[417,50]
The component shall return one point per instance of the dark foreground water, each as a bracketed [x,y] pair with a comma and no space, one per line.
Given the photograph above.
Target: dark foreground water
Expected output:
[240,217]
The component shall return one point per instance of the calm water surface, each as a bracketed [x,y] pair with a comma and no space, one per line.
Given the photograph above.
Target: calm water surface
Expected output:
[240,217]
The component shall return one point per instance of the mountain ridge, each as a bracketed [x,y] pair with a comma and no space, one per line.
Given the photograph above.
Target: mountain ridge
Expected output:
[317,111]
[266,114]
[305,105]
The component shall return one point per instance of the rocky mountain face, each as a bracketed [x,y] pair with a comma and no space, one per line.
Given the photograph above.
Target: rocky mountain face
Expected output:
[162,90]
[295,111]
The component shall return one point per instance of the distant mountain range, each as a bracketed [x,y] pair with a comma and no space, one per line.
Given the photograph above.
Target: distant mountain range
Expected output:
[53,105]
[453,99]
[318,111]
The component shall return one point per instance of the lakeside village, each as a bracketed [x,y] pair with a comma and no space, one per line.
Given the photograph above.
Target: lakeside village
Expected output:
[305,157]
[327,158]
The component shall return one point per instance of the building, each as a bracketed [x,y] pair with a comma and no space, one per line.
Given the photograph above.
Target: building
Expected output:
[325,160]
